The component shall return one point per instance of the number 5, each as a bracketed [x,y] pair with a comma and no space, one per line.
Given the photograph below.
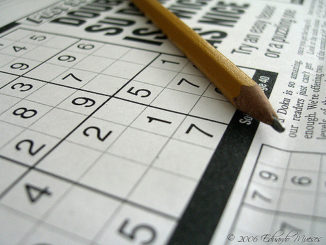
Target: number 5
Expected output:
[131,234]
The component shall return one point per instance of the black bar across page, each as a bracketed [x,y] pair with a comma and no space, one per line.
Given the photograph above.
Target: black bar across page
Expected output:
[8,26]
[206,206]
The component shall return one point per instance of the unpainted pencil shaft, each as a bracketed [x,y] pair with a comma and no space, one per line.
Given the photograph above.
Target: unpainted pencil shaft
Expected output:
[236,86]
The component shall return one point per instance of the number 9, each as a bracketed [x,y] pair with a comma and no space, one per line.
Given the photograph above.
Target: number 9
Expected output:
[268,175]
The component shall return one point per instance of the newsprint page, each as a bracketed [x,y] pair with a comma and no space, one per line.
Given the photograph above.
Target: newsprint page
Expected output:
[109,135]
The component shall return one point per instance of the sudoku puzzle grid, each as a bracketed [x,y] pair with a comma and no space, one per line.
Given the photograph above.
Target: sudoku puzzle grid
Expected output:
[100,143]
[286,195]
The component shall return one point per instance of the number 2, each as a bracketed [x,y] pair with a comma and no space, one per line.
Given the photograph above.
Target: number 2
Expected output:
[98,133]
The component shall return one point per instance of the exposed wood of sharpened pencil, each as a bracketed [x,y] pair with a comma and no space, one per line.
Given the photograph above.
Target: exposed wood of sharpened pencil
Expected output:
[239,88]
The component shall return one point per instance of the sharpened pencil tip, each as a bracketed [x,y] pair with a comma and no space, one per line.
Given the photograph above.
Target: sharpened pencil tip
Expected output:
[277,125]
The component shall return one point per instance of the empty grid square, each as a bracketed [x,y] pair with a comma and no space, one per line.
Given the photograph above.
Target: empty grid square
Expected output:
[139,56]
[6,79]
[58,122]
[175,101]
[111,51]
[274,157]
[249,218]
[94,63]
[170,195]
[4,60]
[8,132]
[299,161]
[319,227]
[4,43]
[17,35]
[183,159]
[304,203]
[113,175]
[14,226]
[323,163]
[220,111]
[138,146]
[9,172]
[119,111]
[41,53]
[69,160]
[320,207]
[105,84]
[46,72]
[6,103]
[322,183]
[45,234]
[50,94]
[79,206]
[156,76]
[123,69]
[59,42]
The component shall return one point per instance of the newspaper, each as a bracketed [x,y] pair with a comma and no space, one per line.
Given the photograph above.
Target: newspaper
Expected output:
[187,167]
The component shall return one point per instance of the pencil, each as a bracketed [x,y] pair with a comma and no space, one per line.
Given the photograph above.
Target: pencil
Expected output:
[236,86]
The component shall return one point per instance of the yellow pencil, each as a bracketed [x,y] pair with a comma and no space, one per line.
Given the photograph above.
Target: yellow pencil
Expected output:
[236,86]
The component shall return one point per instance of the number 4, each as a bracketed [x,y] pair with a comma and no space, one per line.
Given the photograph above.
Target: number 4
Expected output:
[34,193]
